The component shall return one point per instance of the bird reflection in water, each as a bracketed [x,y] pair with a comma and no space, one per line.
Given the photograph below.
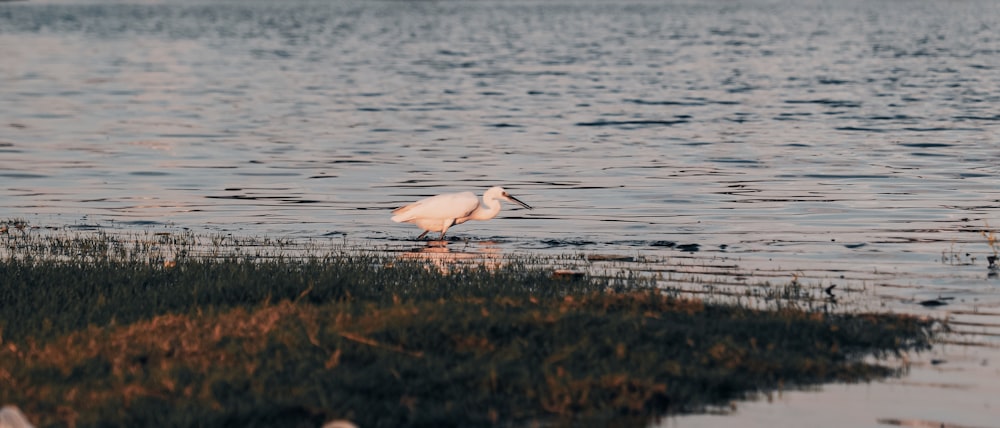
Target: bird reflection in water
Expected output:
[440,255]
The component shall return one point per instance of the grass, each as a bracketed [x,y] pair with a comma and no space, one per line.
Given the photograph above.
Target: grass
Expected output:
[97,330]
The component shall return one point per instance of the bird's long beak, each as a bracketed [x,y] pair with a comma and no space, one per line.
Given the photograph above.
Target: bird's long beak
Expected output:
[518,201]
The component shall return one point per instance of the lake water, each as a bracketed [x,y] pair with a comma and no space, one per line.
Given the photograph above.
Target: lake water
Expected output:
[850,143]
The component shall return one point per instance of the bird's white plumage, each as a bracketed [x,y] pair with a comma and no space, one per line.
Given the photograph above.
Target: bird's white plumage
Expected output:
[448,205]
[438,213]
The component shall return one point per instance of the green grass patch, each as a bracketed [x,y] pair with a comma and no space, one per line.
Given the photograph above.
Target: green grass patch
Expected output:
[110,337]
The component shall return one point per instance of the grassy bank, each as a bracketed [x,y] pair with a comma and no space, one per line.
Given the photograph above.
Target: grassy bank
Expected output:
[101,332]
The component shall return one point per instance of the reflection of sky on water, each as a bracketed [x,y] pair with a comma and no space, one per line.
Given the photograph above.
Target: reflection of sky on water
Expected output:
[786,138]
[710,124]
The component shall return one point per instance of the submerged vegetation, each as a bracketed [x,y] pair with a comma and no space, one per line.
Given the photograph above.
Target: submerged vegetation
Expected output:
[98,330]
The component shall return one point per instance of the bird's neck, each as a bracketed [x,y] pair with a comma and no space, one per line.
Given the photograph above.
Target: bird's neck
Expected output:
[491,209]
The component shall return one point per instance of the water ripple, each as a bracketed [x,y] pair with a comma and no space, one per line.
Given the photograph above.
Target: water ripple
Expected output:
[790,138]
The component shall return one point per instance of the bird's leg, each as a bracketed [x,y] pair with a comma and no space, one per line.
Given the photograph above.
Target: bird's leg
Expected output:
[447,224]
[422,235]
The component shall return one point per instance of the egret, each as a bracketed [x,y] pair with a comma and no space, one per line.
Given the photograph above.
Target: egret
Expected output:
[438,213]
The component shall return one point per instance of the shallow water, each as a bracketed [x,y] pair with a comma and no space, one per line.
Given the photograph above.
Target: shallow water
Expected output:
[852,143]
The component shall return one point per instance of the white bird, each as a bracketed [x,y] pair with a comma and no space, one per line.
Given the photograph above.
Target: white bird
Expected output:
[438,213]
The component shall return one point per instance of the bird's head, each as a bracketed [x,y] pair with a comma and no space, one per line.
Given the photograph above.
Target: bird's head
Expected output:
[498,192]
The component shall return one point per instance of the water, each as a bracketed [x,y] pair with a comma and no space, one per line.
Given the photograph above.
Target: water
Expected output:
[850,143]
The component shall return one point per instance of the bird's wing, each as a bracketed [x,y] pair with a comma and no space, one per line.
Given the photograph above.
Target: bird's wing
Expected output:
[449,205]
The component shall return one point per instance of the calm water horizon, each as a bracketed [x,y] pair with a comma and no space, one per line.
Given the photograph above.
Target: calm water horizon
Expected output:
[852,143]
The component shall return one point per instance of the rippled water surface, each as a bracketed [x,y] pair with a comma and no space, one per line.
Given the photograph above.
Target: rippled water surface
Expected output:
[852,143]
